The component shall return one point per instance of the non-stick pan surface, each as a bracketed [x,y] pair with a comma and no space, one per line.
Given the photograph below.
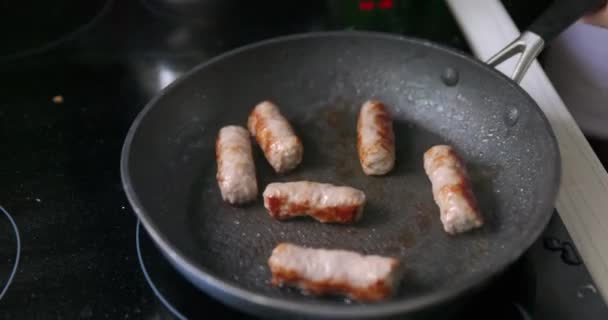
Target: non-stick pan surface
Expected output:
[320,81]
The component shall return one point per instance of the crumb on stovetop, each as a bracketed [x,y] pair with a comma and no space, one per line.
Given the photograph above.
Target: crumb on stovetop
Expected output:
[58,99]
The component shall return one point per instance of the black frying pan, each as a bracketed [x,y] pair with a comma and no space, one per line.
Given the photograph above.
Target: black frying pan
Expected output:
[319,81]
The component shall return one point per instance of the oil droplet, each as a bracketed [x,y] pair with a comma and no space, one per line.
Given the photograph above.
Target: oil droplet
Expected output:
[424,222]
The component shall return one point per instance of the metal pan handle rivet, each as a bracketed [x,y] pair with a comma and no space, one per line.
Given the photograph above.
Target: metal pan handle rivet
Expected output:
[450,76]
[512,116]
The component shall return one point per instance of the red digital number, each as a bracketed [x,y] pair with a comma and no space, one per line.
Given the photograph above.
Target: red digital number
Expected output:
[366,5]
[386,4]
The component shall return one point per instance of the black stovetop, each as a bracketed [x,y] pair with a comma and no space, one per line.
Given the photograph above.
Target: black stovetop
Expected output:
[64,112]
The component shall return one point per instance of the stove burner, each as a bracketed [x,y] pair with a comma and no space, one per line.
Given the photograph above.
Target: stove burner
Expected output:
[157,293]
[200,13]
[56,25]
[17,252]
[177,295]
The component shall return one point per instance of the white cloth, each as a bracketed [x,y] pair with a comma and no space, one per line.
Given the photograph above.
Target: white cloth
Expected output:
[577,64]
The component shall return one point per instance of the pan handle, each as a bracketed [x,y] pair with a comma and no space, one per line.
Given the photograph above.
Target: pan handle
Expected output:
[555,19]
[560,15]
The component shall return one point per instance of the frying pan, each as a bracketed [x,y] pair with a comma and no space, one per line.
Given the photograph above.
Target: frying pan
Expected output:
[319,80]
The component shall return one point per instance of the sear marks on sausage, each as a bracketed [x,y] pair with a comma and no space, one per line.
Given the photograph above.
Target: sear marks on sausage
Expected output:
[275,136]
[375,139]
[452,190]
[322,201]
[236,175]
[359,277]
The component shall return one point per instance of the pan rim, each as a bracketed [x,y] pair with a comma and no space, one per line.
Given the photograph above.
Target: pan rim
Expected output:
[254,300]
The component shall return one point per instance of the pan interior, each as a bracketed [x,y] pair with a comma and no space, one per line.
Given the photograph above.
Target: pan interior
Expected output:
[320,83]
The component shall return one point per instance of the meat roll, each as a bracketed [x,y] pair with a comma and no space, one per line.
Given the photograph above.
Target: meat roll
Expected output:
[235,167]
[375,139]
[452,190]
[324,202]
[275,136]
[339,272]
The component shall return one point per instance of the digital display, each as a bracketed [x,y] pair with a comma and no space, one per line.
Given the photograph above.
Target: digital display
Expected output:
[386,4]
[368,5]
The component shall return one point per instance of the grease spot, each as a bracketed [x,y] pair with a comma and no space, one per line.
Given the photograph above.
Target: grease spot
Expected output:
[423,217]
[407,239]
[423,222]
[333,118]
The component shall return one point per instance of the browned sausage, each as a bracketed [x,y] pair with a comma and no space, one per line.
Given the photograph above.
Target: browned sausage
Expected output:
[275,136]
[235,167]
[322,201]
[452,190]
[322,271]
[375,139]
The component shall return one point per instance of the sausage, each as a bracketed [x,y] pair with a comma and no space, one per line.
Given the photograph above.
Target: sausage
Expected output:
[275,136]
[322,201]
[452,190]
[236,175]
[321,271]
[375,139]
